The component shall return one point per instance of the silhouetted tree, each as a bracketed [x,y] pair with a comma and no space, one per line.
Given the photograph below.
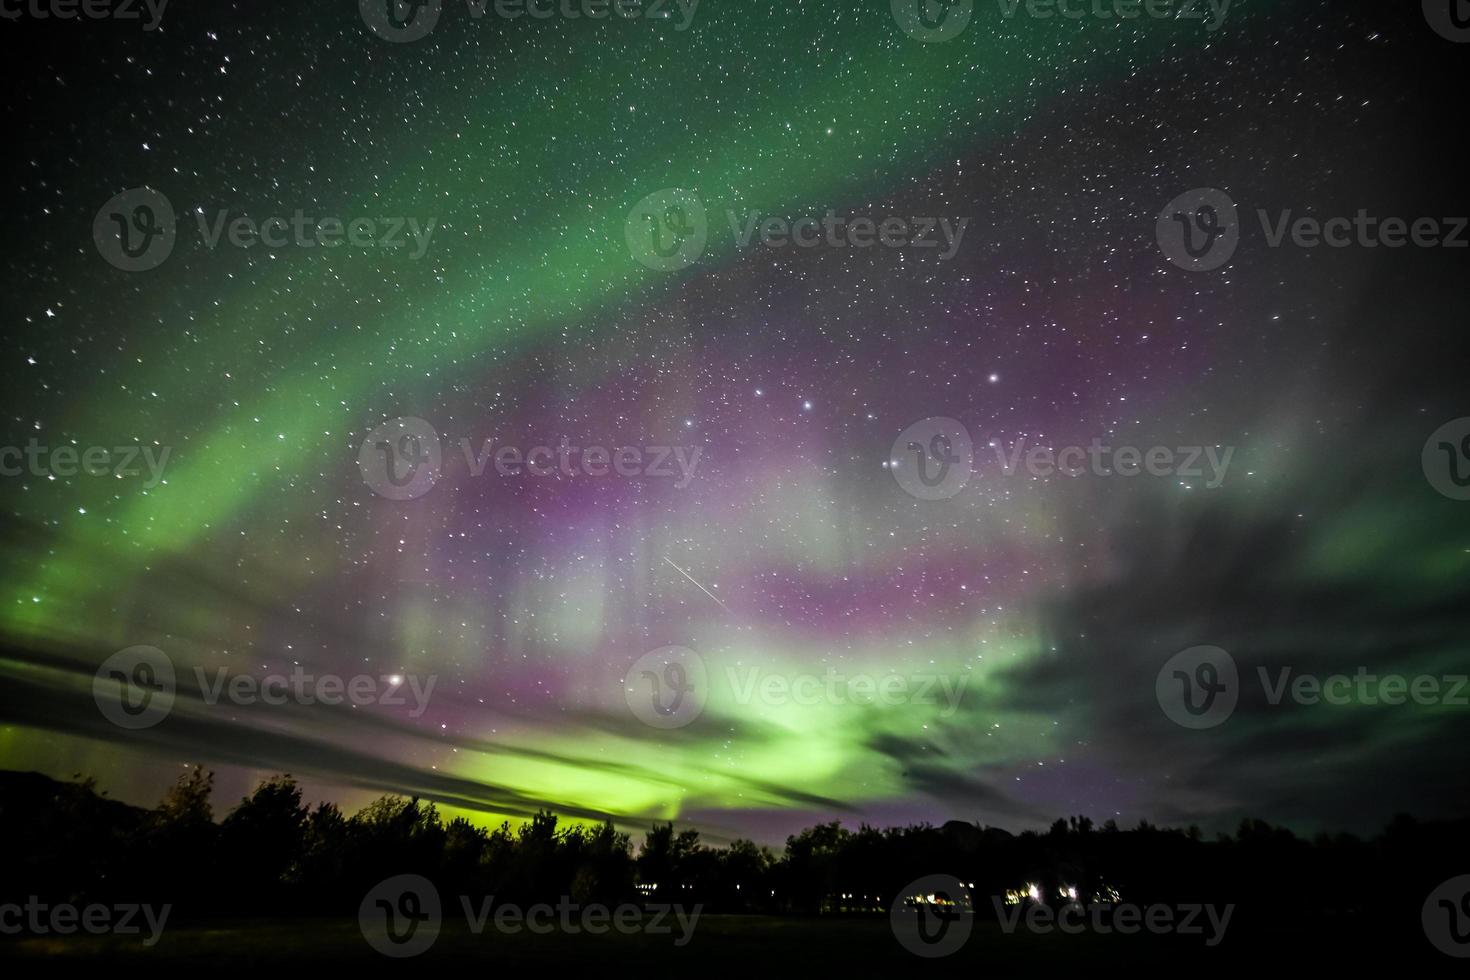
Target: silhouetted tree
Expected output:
[272,855]
[264,837]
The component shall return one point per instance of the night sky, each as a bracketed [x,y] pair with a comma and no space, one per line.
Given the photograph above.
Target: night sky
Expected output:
[792,548]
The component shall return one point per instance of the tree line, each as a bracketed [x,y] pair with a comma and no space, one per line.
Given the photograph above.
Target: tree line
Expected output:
[273,855]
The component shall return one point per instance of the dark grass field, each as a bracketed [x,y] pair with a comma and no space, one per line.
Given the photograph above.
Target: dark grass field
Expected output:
[723,944]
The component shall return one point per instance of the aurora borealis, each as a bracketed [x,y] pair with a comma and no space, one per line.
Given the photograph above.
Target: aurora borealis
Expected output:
[1047,604]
